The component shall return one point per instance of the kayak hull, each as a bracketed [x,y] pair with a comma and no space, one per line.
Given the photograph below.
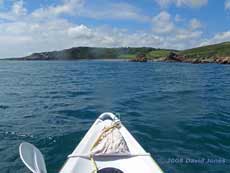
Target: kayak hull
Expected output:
[138,161]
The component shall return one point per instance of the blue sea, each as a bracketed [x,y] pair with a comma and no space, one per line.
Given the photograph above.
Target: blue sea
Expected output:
[178,112]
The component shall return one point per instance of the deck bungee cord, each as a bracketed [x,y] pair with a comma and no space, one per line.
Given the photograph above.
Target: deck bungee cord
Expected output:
[100,138]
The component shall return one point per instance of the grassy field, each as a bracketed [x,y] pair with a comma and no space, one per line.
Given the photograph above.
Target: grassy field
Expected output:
[126,56]
[156,54]
[208,52]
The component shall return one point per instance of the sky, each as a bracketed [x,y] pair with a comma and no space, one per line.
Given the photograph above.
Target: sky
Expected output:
[28,26]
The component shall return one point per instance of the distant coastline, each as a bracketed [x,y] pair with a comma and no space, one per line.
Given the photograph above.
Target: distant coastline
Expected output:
[217,53]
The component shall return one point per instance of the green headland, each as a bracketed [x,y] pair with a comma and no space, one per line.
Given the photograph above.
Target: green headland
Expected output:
[217,53]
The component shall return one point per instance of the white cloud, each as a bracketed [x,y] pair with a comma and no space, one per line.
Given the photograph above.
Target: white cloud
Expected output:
[80,31]
[45,29]
[18,8]
[162,23]
[179,3]
[195,24]
[67,7]
[227,4]
[217,38]
[186,35]
[122,11]
[174,35]
[55,34]
[17,11]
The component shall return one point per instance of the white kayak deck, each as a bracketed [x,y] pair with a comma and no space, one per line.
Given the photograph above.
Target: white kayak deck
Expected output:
[141,163]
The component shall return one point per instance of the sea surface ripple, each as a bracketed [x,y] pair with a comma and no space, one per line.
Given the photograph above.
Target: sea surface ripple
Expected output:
[180,113]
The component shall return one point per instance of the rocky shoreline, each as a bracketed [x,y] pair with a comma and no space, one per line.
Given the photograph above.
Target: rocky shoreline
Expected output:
[173,57]
[140,58]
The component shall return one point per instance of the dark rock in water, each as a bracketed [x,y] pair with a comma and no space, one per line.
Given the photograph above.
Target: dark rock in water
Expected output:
[140,58]
[196,61]
[226,61]
[175,57]
[223,60]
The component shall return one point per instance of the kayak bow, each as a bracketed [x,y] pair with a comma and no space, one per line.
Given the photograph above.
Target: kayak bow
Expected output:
[107,147]
[136,161]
